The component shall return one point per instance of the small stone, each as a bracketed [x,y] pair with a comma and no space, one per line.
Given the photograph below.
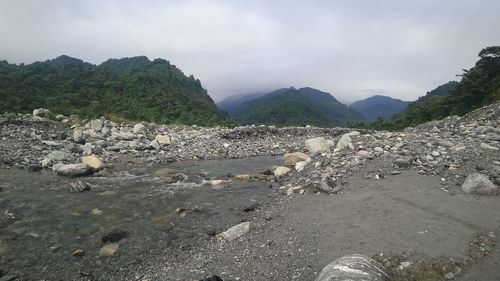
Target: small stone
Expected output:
[107,193]
[35,168]
[93,162]
[405,264]
[449,275]
[72,170]
[163,139]
[109,249]
[78,186]
[235,231]
[378,149]
[139,129]
[300,166]
[280,171]
[114,236]
[293,158]
[96,212]
[353,268]
[487,146]
[402,162]
[435,130]
[242,177]
[363,153]
[78,253]
[218,182]
[155,144]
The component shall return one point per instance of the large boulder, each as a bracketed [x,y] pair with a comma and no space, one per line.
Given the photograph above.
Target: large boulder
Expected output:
[293,158]
[346,141]
[478,184]
[58,156]
[163,139]
[72,170]
[97,125]
[319,144]
[78,135]
[353,268]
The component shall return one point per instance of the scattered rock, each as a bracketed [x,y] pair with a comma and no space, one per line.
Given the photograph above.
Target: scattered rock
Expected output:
[72,170]
[163,139]
[109,249]
[235,231]
[478,184]
[35,168]
[114,236]
[300,166]
[319,144]
[139,129]
[78,186]
[403,162]
[78,253]
[292,158]
[93,162]
[353,268]
[43,113]
[346,141]
[96,125]
[280,171]
[487,146]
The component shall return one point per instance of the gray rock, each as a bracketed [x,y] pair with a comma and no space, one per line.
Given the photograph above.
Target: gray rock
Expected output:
[478,184]
[353,268]
[235,231]
[43,113]
[139,129]
[78,136]
[58,156]
[318,144]
[78,186]
[346,141]
[445,143]
[72,170]
[155,144]
[403,162]
[96,125]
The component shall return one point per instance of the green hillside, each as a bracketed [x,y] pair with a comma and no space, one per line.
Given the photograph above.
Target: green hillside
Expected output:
[296,107]
[131,88]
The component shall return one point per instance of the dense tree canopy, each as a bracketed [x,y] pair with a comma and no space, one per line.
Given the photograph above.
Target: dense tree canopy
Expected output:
[131,88]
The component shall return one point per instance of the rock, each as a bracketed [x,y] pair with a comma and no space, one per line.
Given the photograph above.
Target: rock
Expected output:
[43,113]
[60,117]
[114,236]
[319,144]
[78,253]
[155,144]
[378,149]
[58,156]
[109,249]
[363,153]
[346,141]
[478,184]
[125,136]
[139,129]
[353,268]
[242,177]
[218,182]
[35,168]
[435,130]
[78,136]
[403,162]
[96,125]
[72,170]
[300,166]
[93,162]
[280,171]
[292,158]
[163,139]
[445,143]
[449,275]
[235,231]
[251,207]
[487,146]
[96,212]
[78,186]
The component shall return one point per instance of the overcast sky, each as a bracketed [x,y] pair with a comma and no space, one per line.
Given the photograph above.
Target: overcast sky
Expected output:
[352,49]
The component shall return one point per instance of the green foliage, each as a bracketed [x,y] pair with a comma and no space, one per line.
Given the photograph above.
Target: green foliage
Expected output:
[296,107]
[131,88]
[479,86]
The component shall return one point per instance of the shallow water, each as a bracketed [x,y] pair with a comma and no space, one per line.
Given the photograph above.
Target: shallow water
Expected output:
[50,222]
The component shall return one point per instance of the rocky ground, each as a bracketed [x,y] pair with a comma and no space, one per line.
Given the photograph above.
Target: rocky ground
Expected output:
[422,202]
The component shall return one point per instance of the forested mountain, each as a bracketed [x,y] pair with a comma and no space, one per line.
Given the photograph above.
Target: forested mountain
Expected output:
[131,88]
[233,104]
[379,106]
[479,86]
[442,91]
[296,107]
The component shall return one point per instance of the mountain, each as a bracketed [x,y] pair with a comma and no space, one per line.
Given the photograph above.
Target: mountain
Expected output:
[442,90]
[132,88]
[233,104]
[379,106]
[296,107]
[479,86]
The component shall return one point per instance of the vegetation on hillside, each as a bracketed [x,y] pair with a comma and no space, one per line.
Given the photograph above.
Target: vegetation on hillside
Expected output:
[296,107]
[131,88]
[478,87]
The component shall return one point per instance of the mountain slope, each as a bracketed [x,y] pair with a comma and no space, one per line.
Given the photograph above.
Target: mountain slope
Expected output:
[132,88]
[379,106]
[296,107]
[442,91]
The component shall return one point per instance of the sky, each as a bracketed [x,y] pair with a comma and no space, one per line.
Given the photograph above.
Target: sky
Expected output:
[352,49]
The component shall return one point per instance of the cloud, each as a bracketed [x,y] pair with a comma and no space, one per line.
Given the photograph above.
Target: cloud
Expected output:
[352,49]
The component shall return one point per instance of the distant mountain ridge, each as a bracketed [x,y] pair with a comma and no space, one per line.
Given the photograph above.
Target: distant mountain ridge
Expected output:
[379,106]
[132,88]
[295,107]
